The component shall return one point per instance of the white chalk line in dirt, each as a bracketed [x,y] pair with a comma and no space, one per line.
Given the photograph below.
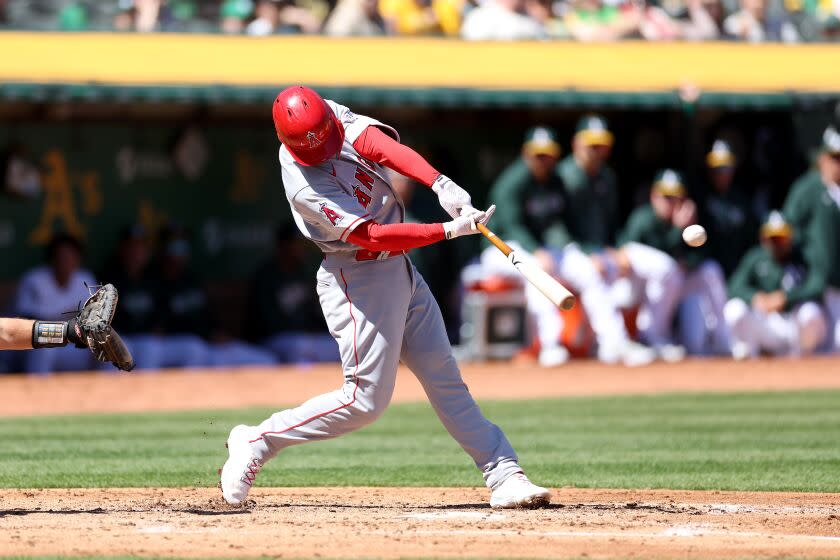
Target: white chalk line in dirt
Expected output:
[679,532]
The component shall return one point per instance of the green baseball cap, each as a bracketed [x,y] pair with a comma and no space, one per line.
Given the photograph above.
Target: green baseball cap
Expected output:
[776,226]
[669,183]
[541,140]
[721,155]
[831,140]
[593,131]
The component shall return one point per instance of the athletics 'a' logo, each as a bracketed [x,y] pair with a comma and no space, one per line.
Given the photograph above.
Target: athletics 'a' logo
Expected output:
[333,216]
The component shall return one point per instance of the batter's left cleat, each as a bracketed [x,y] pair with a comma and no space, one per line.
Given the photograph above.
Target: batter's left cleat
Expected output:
[519,492]
[240,469]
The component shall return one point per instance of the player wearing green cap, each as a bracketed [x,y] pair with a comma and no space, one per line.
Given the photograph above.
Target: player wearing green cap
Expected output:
[665,271]
[593,190]
[726,211]
[535,213]
[775,293]
[823,236]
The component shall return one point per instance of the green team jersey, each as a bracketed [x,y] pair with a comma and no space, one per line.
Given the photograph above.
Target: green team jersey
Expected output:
[732,227]
[529,212]
[822,239]
[801,278]
[801,201]
[592,219]
[644,226]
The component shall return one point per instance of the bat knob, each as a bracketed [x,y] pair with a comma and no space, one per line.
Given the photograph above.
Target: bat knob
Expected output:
[567,303]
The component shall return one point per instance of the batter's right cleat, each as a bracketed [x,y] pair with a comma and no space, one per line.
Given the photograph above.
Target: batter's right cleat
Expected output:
[519,492]
[241,468]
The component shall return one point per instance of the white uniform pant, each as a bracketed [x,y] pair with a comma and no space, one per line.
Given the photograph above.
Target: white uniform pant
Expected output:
[381,312]
[662,284]
[575,270]
[794,333]
[832,304]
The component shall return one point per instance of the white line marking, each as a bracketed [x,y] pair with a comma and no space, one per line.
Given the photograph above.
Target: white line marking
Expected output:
[667,534]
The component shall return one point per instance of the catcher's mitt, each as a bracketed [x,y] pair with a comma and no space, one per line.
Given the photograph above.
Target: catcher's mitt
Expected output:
[92,328]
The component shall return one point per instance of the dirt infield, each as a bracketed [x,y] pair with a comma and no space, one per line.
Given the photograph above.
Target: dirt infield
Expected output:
[190,390]
[418,522]
[415,522]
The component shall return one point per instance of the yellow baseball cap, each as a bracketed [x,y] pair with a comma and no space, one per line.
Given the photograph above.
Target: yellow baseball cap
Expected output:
[541,140]
[669,183]
[593,131]
[776,226]
[721,155]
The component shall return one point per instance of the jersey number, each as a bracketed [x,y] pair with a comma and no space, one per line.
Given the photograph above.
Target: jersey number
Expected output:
[362,196]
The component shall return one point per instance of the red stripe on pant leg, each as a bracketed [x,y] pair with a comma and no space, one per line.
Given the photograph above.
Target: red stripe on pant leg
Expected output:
[355,371]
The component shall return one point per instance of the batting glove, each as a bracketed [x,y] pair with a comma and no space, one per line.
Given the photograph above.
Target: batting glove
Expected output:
[465,225]
[452,198]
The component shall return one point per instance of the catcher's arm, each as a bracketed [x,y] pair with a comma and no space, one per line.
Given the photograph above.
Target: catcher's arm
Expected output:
[91,328]
[545,283]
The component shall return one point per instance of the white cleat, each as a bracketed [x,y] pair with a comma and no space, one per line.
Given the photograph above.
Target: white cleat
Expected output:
[629,353]
[553,356]
[519,492]
[672,353]
[240,469]
[635,355]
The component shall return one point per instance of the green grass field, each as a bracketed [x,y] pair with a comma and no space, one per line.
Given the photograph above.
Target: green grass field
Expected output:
[774,441]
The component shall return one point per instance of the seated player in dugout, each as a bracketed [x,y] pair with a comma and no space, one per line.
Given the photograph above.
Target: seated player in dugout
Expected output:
[534,211]
[776,292]
[377,306]
[664,271]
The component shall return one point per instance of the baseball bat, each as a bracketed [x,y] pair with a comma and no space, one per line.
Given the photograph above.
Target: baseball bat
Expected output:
[556,292]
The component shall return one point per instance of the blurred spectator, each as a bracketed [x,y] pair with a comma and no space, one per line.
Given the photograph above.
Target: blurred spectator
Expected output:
[532,209]
[422,17]
[186,317]
[665,270]
[52,292]
[754,23]
[543,11]
[698,20]
[274,16]
[355,18]
[4,18]
[501,20]
[726,211]
[775,297]
[285,315]
[233,15]
[594,20]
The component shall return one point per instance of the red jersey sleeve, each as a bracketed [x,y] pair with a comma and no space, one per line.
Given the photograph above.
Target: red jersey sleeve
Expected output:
[377,146]
[395,237]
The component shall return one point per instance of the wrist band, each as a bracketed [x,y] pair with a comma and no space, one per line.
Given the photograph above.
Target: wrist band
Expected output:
[49,334]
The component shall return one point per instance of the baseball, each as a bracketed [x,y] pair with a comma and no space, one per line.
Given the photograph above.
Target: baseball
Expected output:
[694,235]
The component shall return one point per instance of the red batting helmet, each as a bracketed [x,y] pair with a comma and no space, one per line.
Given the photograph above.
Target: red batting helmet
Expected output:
[306,125]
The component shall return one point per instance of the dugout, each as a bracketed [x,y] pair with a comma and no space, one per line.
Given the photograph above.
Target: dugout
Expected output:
[176,128]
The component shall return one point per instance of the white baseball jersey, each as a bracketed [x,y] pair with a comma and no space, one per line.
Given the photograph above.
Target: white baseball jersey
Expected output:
[330,200]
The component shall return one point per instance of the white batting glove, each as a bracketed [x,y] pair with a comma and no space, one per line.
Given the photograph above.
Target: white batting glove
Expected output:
[452,198]
[485,215]
[465,225]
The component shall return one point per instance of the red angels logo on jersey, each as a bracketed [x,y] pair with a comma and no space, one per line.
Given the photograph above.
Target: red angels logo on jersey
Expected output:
[333,216]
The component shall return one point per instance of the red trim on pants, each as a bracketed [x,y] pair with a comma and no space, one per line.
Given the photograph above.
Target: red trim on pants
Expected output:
[355,372]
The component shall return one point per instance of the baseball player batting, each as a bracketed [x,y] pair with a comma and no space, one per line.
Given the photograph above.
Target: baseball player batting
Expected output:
[377,306]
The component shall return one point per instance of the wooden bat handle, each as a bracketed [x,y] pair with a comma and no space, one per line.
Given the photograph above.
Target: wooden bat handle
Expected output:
[494,239]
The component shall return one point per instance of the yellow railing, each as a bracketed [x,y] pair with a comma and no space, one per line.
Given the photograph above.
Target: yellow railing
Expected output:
[166,59]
